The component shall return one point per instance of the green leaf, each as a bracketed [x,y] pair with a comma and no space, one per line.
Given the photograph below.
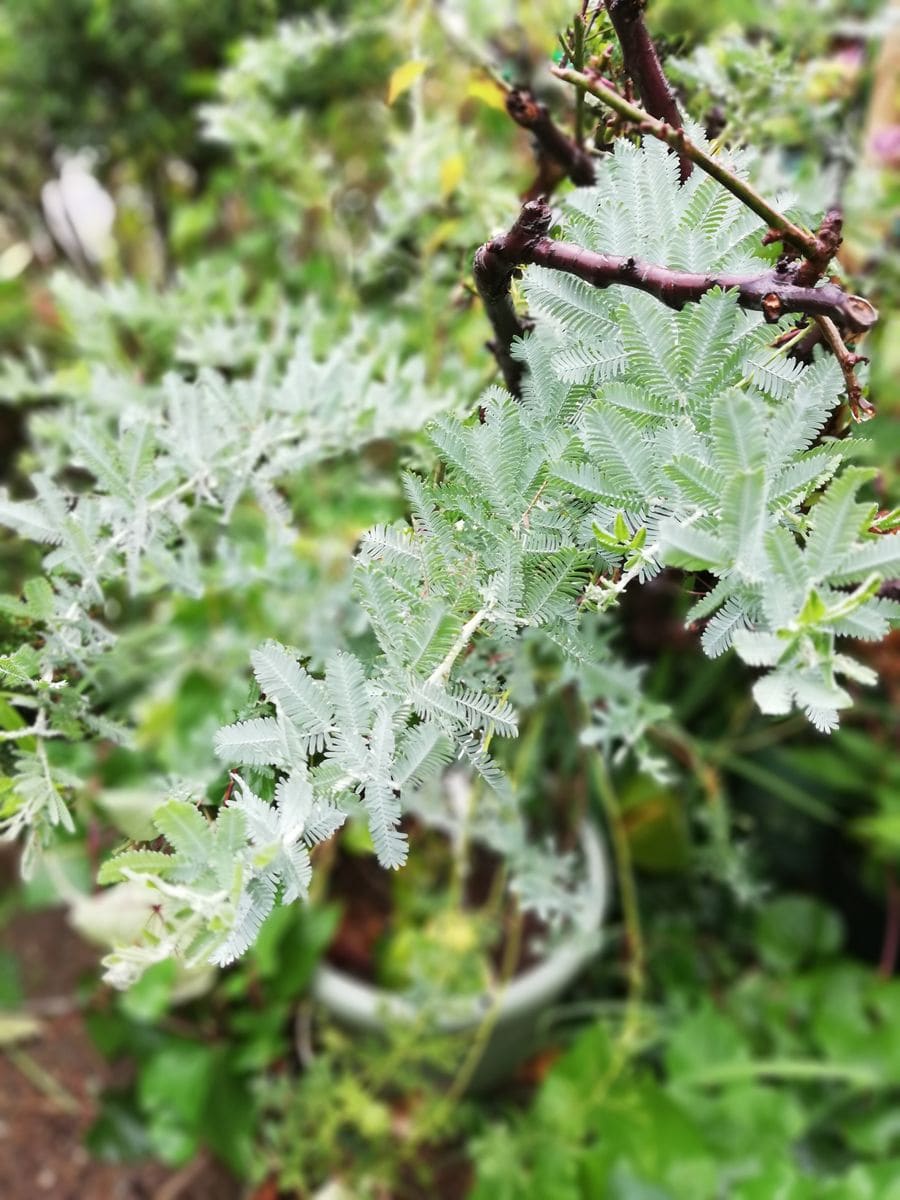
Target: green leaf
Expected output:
[619,453]
[743,520]
[837,520]
[302,698]
[687,546]
[149,999]
[150,862]
[738,433]
[40,598]
[705,1036]
[175,1082]
[795,931]
[881,554]
[289,948]
[185,828]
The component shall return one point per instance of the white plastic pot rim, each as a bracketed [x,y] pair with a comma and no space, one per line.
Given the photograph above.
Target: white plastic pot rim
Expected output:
[362,1005]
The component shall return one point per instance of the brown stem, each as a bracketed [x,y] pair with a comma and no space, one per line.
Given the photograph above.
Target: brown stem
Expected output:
[552,142]
[816,248]
[860,407]
[496,265]
[828,239]
[643,65]
[772,292]
[891,943]
[802,350]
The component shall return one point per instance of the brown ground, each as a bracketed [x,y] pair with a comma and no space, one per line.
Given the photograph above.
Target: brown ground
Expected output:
[49,1087]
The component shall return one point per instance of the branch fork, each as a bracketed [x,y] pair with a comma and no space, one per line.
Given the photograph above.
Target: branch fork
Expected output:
[773,292]
[794,285]
[643,65]
[553,143]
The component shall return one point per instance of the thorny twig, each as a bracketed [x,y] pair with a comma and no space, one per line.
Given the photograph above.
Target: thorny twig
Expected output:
[496,265]
[558,155]
[796,236]
[790,287]
[861,408]
[774,292]
[817,249]
[552,142]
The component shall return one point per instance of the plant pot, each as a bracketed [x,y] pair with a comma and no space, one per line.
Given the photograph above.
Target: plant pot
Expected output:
[514,1010]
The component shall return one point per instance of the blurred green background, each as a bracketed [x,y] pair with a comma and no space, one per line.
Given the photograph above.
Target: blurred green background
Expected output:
[184,188]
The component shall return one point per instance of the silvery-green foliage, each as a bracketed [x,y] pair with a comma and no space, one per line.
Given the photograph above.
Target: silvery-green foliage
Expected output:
[215,885]
[23,379]
[697,448]
[34,802]
[218,883]
[204,445]
[434,156]
[201,320]
[37,801]
[644,436]
[97,316]
[246,113]
[441,187]
[260,394]
[169,464]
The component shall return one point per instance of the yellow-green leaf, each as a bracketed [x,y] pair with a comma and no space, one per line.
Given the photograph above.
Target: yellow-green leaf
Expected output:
[488,92]
[18,1027]
[404,77]
[452,171]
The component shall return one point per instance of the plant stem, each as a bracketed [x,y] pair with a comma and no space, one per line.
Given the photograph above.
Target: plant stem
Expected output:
[498,261]
[26,731]
[796,235]
[443,669]
[781,1068]
[643,65]
[553,142]
[769,292]
[578,32]
[466,1072]
[631,915]
[860,407]
[43,1080]
[773,782]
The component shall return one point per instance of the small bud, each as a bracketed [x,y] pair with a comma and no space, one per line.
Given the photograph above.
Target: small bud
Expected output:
[772,307]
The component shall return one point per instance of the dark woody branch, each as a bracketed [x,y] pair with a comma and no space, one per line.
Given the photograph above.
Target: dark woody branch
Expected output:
[774,292]
[642,64]
[860,407]
[815,250]
[552,142]
[496,265]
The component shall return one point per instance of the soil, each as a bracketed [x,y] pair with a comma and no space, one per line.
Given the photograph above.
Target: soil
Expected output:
[363,890]
[50,1084]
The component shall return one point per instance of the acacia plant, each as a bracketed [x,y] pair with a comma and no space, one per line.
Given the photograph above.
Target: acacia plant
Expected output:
[681,393]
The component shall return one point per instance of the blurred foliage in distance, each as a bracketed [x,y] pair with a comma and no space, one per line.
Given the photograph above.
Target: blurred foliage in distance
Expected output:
[254,169]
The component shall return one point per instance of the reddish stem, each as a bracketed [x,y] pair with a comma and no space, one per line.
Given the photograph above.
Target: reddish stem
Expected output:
[642,64]
[552,142]
[773,292]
